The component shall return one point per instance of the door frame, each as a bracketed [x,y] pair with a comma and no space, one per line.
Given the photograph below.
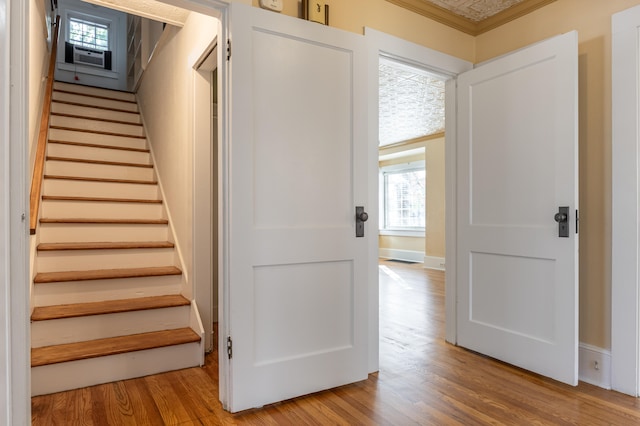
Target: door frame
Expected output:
[625,208]
[15,379]
[204,165]
[447,66]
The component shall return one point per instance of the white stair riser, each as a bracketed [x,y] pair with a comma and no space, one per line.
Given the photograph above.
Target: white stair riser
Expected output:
[84,260]
[72,330]
[100,189]
[96,125]
[50,294]
[95,138]
[106,171]
[95,112]
[87,100]
[89,372]
[59,209]
[82,233]
[98,154]
[95,91]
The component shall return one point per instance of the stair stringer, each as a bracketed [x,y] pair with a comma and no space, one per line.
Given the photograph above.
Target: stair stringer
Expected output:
[187,284]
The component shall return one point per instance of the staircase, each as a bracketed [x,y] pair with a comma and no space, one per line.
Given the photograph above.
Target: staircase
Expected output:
[108,292]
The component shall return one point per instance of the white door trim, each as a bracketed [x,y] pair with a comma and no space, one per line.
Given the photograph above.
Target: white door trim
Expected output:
[625,233]
[203,180]
[15,363]
[448,67]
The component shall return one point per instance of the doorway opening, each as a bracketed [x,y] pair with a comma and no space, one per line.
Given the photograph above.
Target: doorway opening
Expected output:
[411,241]
[411,164]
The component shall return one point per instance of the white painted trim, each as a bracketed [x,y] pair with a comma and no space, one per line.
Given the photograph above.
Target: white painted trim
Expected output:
[594,366]
[15,381]
[451,209]
[448,67]
[625,214]
[433,262]
[6,409]
[195,323]
[408,255]
[202,229]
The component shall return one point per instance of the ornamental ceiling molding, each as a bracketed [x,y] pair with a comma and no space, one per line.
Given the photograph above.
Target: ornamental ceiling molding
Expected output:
[474,28]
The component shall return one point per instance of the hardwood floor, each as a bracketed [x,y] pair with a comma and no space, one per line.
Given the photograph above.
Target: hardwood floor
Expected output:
[422,380]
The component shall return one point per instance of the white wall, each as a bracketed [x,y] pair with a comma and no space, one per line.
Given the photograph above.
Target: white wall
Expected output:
[87,75]
[166,100]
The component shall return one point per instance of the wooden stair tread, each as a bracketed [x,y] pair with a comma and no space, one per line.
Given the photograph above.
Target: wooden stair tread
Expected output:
[106,163]
[98,132]
[104,120]
[111,346]
[105,199]
[44,313]
[80,104]
[104,220]
[94,179]
[101,274]
[107,245]
[96,145]
[70,92]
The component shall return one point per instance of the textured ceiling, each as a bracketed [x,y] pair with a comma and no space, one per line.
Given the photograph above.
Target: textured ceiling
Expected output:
[475,10]
[411,103]
[472,16]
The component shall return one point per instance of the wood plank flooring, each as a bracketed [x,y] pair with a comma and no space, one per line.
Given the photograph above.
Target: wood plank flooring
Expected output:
[422,381]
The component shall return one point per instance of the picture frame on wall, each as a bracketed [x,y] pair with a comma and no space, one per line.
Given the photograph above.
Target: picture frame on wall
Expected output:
[315,11]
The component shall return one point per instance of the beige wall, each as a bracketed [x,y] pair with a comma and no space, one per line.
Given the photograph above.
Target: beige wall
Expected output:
[592,20]
[401,243]
[354,15]
[166,100]
[434,163]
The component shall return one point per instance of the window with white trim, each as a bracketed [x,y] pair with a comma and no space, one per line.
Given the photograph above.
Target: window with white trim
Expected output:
[87,33]
[403,197]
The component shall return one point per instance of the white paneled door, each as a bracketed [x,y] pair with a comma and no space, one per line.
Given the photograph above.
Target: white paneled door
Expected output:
[517,165]
[296,167]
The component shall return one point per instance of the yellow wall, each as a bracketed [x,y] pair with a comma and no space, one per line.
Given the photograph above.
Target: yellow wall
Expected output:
[592,20]
[434,163]
[354,15]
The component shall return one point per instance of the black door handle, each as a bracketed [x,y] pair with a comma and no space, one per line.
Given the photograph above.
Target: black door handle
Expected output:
[562,217]
[361,218]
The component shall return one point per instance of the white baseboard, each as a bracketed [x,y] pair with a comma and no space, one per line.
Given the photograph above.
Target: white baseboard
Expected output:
[432,262]
[408,255]
[594,365]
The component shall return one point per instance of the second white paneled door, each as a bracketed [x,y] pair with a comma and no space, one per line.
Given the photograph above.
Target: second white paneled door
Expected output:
[517,164]
[297,169]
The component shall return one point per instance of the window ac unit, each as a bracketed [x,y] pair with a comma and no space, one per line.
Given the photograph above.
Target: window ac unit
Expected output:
[84,56]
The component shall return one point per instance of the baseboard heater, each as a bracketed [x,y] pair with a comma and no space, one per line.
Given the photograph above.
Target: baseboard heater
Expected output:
[83,56]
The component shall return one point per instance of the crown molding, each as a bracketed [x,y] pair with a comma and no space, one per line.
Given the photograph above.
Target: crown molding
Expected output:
[446,17]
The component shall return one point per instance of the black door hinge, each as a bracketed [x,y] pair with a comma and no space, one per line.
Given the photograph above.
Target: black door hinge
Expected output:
[228,50]
[229,347]
[577,222]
